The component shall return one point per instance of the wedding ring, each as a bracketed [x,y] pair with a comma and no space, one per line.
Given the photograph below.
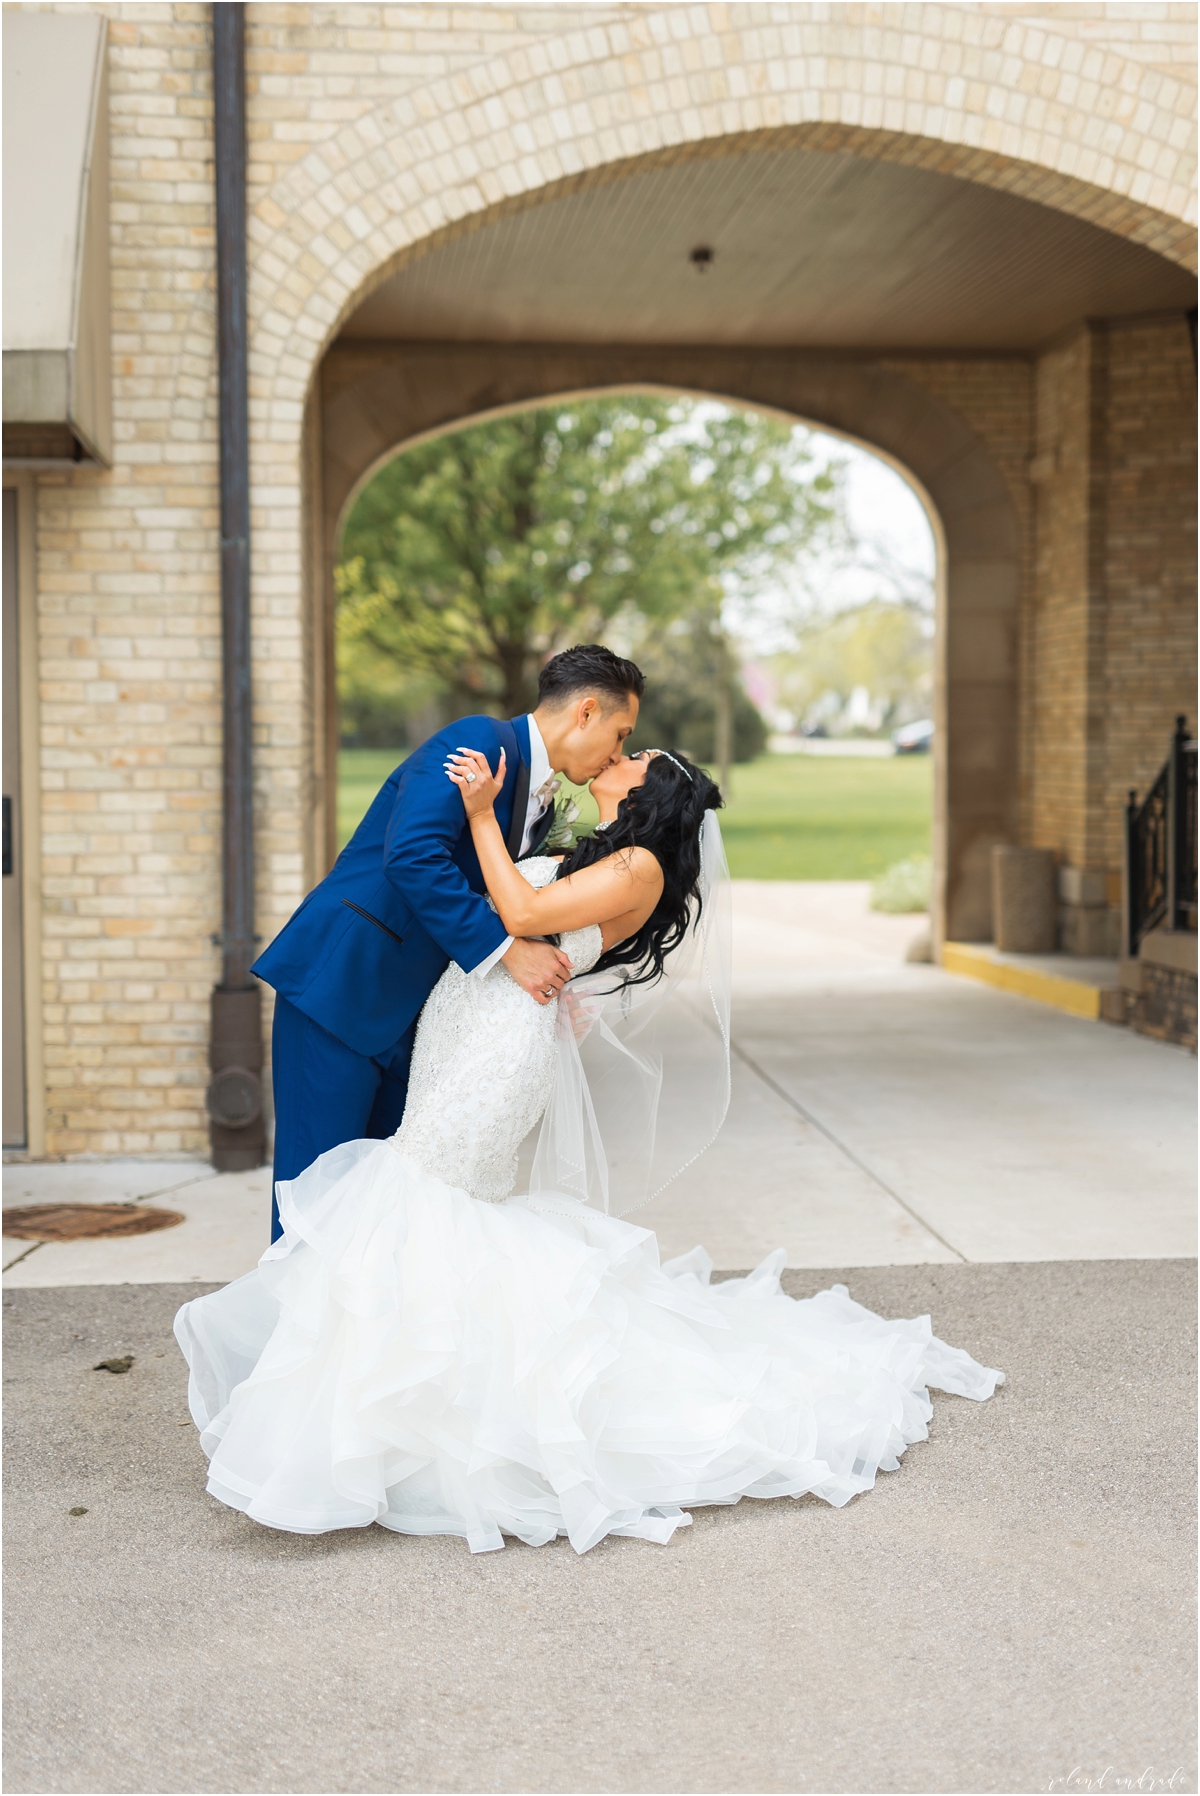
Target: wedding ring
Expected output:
[470,779]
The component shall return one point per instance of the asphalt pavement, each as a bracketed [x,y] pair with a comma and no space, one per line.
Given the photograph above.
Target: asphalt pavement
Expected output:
[1012,1609]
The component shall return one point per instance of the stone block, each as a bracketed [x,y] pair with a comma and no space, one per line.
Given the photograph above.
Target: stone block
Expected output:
[1024,900]
[1082,885]
[1090,930]
[1115,1007]
[981,647]
[1171,948]
[968,861]
[983,586]
[1130,976]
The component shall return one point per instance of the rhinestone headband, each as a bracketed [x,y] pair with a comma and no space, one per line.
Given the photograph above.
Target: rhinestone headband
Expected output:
[671,758]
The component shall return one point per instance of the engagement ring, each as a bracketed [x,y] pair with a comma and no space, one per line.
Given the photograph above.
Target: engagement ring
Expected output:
[470,779]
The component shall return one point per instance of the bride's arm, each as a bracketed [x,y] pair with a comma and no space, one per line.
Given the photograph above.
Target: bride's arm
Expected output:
[626,885]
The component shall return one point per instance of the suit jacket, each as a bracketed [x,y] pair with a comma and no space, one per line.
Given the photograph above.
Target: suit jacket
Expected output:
[404,897]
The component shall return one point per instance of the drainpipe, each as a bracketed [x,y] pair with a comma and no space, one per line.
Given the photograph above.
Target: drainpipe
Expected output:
[234,1098]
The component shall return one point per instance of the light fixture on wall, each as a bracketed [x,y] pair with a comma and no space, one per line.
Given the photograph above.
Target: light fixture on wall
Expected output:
[702,258]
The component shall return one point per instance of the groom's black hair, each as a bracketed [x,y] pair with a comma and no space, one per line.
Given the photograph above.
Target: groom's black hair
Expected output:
[589,667]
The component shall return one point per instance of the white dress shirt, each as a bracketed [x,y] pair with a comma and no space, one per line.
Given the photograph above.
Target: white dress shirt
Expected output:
[540,774]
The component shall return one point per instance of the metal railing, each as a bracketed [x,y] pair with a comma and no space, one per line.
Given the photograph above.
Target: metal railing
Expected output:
[1160,847]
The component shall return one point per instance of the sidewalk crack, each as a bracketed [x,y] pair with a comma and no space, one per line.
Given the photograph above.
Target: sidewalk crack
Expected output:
[32,1248]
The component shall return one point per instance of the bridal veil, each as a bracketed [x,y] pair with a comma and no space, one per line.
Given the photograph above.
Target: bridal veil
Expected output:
[642,1072]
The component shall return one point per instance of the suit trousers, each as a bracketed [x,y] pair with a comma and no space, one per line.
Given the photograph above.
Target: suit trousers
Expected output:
[325,1093]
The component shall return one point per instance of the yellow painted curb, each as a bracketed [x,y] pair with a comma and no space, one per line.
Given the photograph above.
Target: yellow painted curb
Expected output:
[973,962]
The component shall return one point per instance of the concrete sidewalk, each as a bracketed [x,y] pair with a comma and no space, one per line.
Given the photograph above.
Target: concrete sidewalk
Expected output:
[1013,1606]
[882,1114]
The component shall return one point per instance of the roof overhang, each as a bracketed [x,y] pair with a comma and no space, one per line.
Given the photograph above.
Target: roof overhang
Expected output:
[57,333]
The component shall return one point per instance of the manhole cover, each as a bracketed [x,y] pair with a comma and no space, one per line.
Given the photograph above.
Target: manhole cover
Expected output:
[85,1222]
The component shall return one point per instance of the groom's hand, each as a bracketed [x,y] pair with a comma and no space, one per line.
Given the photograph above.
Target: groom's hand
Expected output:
[538,969]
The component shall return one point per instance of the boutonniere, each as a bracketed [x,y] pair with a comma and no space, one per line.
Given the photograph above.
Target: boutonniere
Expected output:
[561,833]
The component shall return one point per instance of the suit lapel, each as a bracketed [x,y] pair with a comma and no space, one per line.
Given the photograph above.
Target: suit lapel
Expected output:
[541,829]
[516,827]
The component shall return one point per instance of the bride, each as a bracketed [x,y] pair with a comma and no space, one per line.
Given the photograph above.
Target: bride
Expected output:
[424,1350]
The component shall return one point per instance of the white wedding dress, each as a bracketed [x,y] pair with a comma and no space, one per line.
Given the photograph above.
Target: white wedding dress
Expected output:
[426,1351]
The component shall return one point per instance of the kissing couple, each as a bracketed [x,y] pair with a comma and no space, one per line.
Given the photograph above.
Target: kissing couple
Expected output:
[422,1348]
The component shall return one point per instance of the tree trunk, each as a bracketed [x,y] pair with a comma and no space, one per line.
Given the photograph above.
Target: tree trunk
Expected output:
[724,721]
[520,689]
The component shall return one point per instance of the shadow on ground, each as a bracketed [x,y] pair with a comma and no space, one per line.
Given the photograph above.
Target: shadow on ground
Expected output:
[1012,1606]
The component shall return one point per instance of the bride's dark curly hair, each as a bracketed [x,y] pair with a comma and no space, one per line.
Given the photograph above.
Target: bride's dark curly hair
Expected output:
[663,814]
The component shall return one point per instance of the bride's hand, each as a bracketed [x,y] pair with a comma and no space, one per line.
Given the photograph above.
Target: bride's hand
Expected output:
[474,778]
[581,1012]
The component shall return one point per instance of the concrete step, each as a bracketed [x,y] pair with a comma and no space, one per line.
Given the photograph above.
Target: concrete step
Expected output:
[1065,981]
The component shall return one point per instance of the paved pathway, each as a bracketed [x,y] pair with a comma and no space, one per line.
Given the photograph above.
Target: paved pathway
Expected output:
[883,1114]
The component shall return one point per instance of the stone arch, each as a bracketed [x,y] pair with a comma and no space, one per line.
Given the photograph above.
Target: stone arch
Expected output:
[1075,127]
[961,90]
[375,399]
[1171,238]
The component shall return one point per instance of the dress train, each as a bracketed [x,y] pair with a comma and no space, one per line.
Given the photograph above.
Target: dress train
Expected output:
[410,1355]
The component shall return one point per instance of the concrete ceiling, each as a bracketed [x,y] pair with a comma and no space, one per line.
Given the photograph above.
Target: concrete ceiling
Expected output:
[810,248]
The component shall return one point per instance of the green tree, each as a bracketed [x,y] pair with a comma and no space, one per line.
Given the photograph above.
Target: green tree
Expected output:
[469,559]
[685,664]
[882,647]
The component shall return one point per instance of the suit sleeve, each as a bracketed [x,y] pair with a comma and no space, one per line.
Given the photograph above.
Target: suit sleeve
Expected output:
[426,826]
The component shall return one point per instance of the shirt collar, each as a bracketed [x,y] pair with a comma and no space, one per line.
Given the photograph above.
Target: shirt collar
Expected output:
[539,760]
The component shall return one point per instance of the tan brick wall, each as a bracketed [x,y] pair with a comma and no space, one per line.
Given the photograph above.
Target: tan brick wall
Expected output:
[371,127]
[1149,671]
[1114,618]
[1096,441]
[1067,615]
[994,394]
[129,636]
[995,397]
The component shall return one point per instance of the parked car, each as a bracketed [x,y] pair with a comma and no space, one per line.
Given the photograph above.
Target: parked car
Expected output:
[913,738]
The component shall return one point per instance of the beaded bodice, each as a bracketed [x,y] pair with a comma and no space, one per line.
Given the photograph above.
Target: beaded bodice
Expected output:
[483,1067]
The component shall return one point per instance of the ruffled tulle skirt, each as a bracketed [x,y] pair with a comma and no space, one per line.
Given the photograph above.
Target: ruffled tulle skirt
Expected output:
[410,1356]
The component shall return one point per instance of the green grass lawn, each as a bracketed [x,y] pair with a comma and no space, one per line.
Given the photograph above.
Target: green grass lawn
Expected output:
[810,817]
[789,816]
[361,772]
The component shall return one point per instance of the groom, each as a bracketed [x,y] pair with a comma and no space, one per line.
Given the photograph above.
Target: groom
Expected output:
[354,964]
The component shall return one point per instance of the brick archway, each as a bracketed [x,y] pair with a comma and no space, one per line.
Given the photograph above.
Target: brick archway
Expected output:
[1076,127]
[376,399]
[367,147]
[963,91]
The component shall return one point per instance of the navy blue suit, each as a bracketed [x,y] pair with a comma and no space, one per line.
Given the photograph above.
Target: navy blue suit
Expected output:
[355,963]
